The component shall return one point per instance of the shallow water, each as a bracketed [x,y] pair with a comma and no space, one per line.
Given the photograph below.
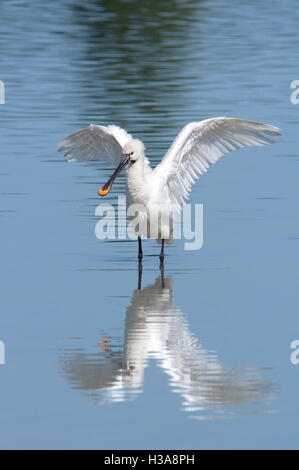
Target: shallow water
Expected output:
[91,361]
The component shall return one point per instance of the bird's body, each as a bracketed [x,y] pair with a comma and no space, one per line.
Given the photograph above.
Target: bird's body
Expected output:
[155,195]
[148,199]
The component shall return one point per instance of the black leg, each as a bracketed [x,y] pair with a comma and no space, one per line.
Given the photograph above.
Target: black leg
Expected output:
[140,254]
[162,252]
[162,263]
[139,274]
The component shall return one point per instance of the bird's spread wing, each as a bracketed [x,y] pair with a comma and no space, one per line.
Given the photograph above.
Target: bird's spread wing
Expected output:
[95,143]
[199,144]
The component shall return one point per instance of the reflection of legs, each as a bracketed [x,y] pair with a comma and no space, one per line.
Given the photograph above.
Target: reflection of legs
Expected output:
[162,274]
[139,249]
[139,274]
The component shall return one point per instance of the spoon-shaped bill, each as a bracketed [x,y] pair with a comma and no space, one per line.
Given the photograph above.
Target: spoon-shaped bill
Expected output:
[107,186]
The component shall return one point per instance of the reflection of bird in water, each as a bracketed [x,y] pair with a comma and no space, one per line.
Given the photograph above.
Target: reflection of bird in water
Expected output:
[156,329]
[155,195]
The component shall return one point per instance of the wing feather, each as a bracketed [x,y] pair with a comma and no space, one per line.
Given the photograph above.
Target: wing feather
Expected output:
[201,144]
[95,143]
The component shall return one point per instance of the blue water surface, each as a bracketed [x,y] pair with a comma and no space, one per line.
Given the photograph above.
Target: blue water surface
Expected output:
[90,360]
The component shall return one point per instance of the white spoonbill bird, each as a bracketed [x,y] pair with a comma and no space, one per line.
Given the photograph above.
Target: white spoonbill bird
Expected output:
[160,192]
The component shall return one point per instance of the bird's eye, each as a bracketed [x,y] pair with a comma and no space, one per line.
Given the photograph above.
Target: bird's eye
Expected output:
[131,153]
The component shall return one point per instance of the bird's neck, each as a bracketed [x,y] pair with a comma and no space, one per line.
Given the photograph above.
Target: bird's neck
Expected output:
[139,169]
[136,175]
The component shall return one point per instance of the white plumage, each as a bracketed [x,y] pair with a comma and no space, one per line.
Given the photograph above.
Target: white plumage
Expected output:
[161,191]
[102,143]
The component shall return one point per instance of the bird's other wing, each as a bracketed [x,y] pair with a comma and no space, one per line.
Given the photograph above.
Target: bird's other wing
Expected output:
[95,143]
[200,144]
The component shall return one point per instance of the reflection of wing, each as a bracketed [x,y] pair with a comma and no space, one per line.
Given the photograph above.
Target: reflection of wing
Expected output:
[155,328]
[200,144]
[201,379]
[95,143]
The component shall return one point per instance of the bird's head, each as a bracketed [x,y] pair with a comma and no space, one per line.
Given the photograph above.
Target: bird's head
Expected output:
[132,151]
